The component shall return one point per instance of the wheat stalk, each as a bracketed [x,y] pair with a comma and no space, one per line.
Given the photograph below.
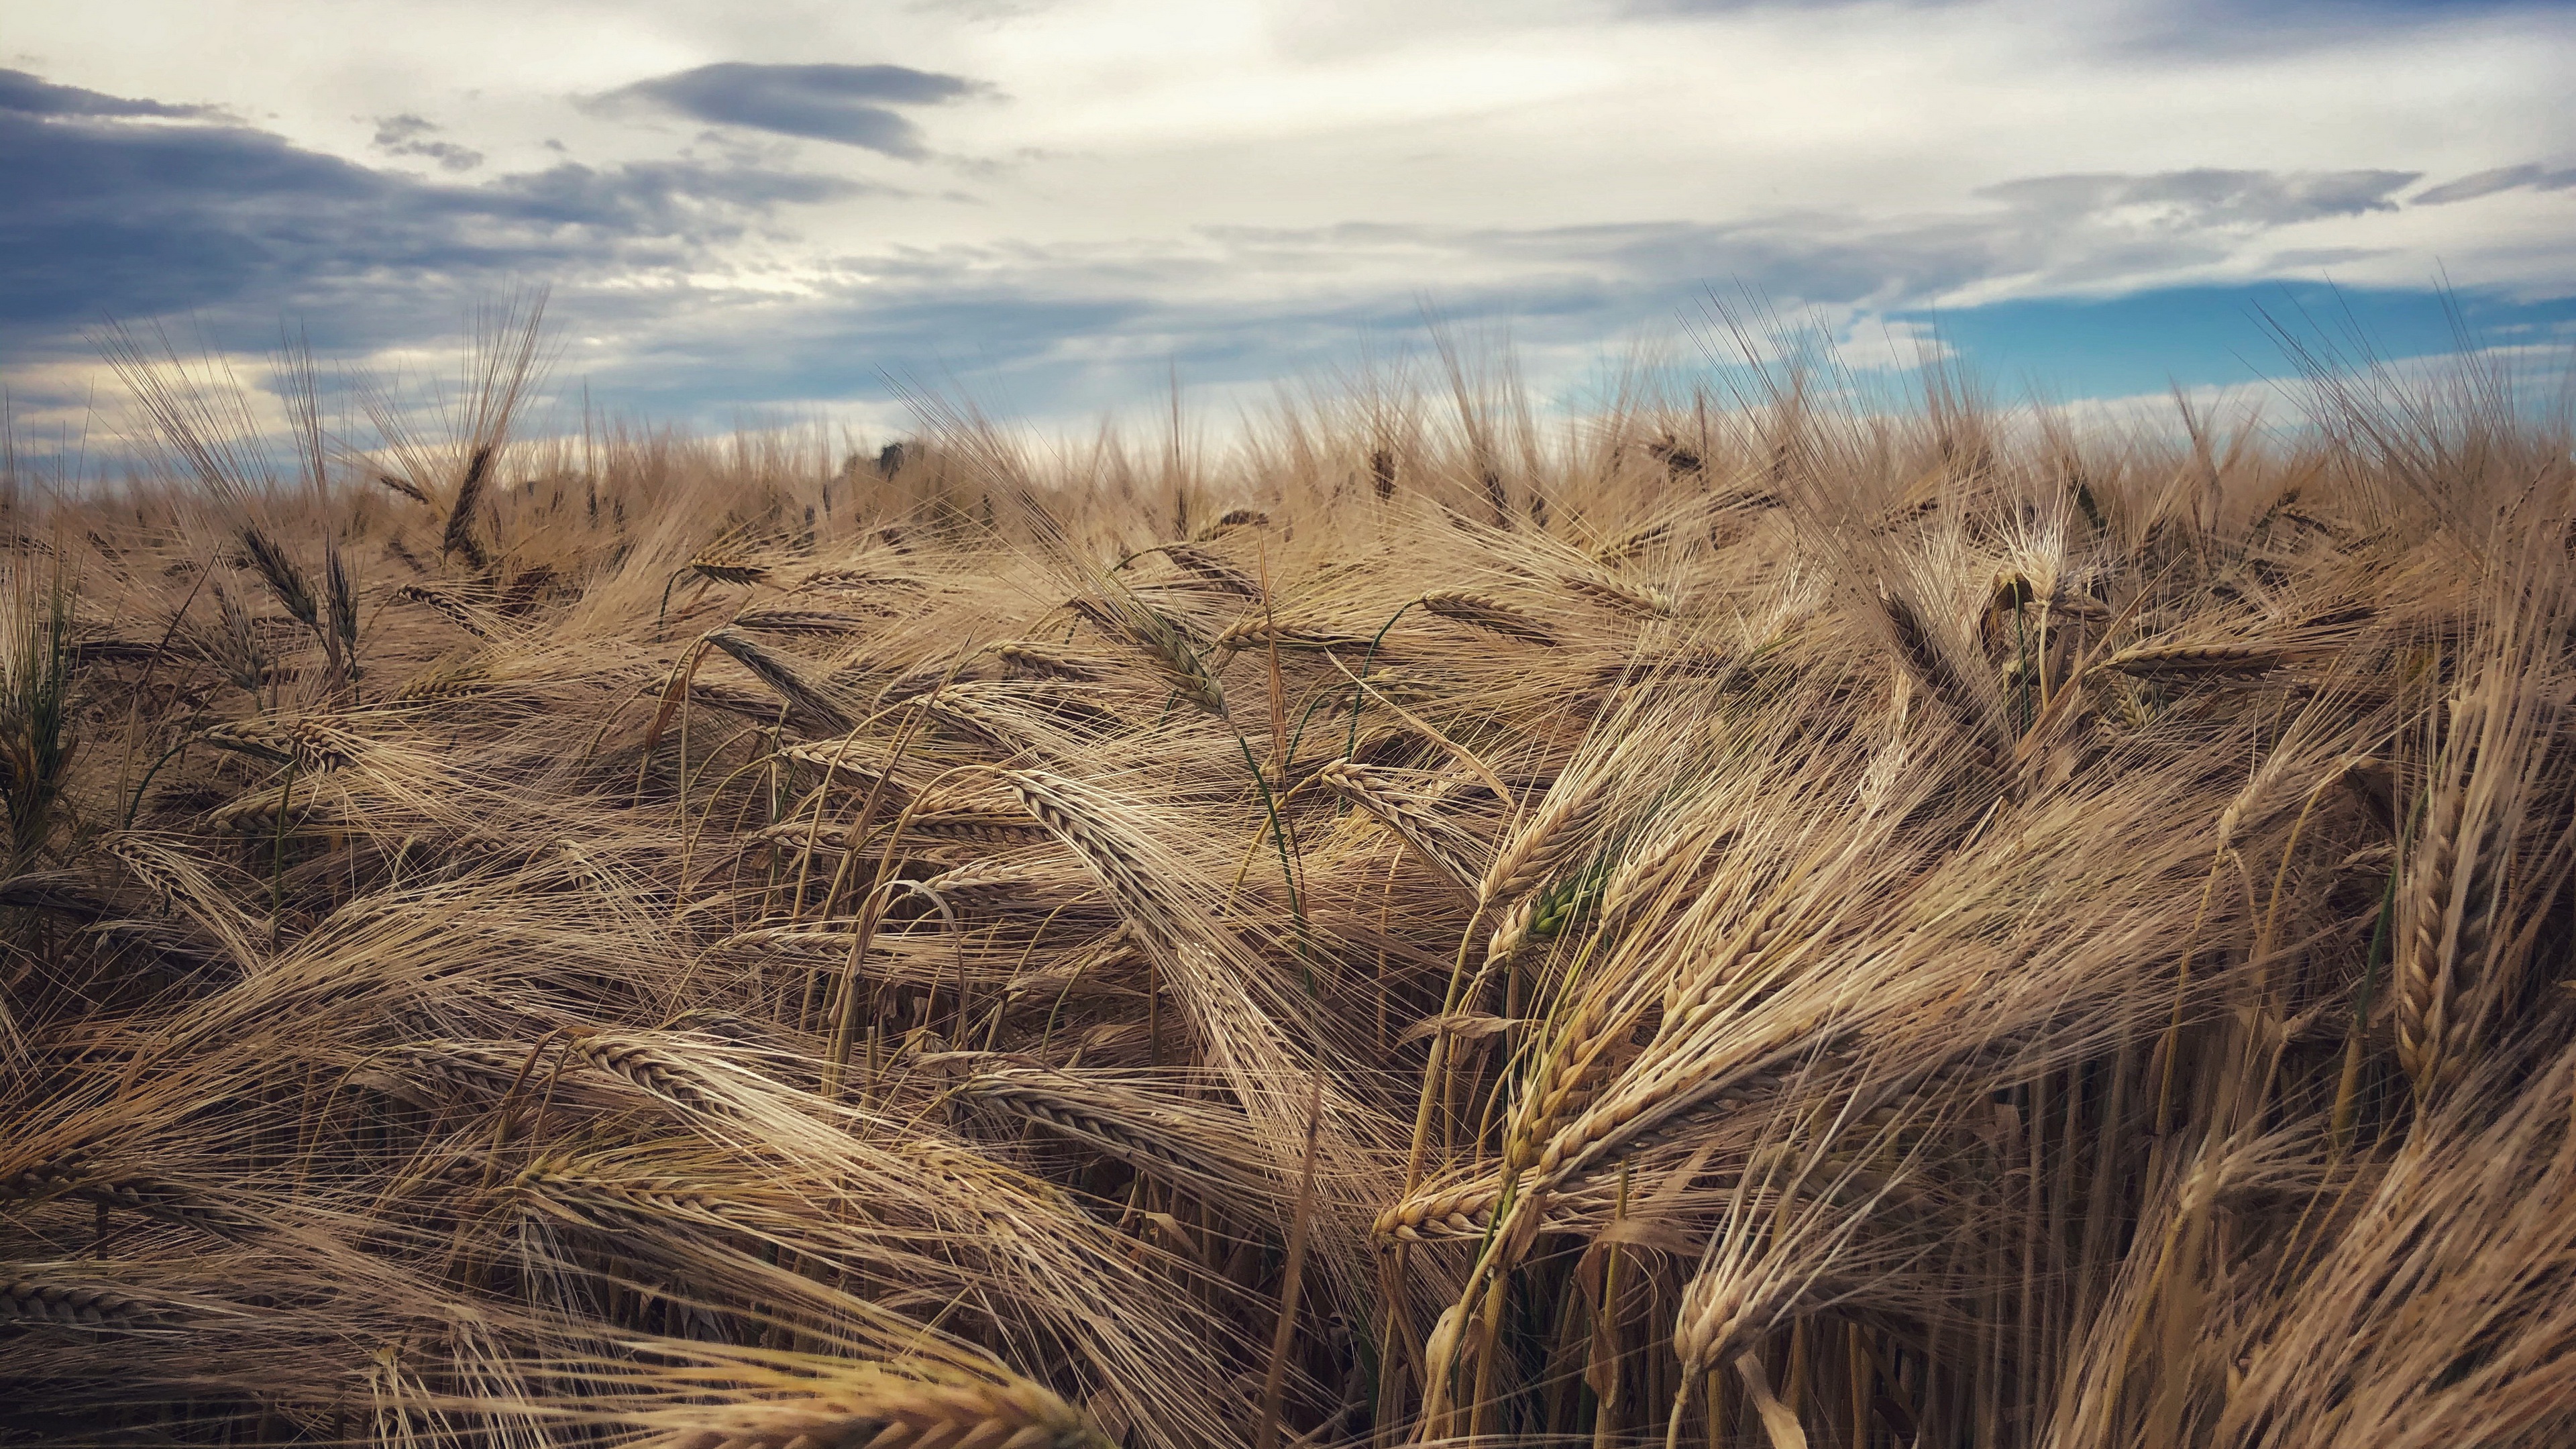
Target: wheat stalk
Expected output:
[315,745]
[1512,934]
[1066,808]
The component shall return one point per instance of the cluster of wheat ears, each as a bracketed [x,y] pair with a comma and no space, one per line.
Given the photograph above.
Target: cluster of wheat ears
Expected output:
[1768,925]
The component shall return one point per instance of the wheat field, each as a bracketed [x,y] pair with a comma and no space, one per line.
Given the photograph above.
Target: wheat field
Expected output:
[1754,922]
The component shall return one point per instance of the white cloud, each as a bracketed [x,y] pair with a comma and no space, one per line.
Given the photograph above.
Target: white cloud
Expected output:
[1881,344]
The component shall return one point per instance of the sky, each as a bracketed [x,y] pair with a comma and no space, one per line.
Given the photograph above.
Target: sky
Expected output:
[1056,209]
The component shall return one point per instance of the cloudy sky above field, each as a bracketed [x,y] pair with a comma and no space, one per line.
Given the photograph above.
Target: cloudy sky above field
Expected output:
[1055,206]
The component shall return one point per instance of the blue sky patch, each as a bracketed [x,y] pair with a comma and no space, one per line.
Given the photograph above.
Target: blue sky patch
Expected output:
[2223,336]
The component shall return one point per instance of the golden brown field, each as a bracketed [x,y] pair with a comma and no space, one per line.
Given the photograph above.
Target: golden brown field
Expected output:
[1746,925]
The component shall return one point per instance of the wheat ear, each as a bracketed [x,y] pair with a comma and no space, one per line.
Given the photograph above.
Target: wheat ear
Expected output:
[152,1197]
[651,1067]
[1036,659]
[2196,661]
[459,534]
[456,610]
[1551,839]
[730,569]
[1359,785]
[826,623]
[790,682]
[294,592]
[2449,910]
[1931,666]
[807,1402]
[1112,1122]
[451,680]
[1124,617]
[78,1305]
[1625,597]
[1492,615]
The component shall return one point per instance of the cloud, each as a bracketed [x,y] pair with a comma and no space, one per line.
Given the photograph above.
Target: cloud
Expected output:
[1065,327]
[2240,30]
[114,213]
[984,11]
[842,103]
[1076,325]
[2488,183]
[409,135]
[2197,199]
[2317,259]
[2209,27]
[675,293]
[2092,233]
[28,95]
[1738,7]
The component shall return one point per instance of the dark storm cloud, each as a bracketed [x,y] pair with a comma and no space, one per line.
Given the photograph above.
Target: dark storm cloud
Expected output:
[2488,183]
[29,96]
[843,103]
[113,215]
[409,135]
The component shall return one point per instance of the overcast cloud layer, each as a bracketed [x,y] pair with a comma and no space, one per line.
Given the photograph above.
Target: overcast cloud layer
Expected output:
[1054,205]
